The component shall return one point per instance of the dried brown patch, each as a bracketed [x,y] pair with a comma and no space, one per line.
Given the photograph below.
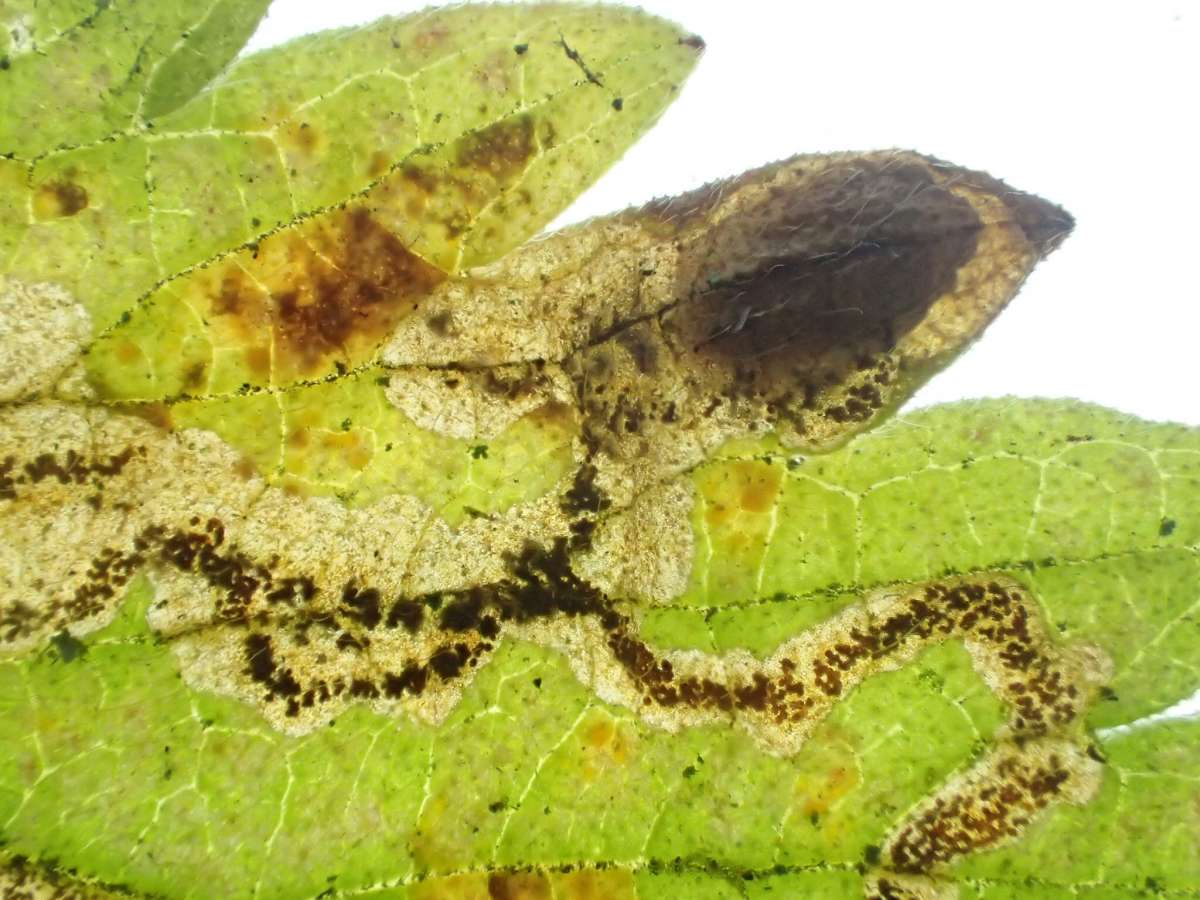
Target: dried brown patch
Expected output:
[867,253]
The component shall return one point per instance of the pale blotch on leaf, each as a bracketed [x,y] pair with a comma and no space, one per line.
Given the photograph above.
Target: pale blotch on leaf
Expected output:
[43,331]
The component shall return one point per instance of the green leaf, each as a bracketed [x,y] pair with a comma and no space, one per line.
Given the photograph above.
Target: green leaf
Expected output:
[108,67]
[354,544]
[443,131]
[450,146]
[1145,817]
[531,768]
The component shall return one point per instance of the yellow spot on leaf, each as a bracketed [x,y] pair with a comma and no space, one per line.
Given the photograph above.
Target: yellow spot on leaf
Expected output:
[352,447]
[455,887]
[607,742]
[593,884]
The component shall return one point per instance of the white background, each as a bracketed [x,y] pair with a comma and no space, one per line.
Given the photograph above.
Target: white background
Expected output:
[1091,104]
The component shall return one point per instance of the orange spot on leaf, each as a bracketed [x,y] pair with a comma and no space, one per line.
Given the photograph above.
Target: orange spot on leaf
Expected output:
[258,361]
[745,486]
[816,796]
[128,352]
[758,485]
[352,446]
[593,884]
[302,140]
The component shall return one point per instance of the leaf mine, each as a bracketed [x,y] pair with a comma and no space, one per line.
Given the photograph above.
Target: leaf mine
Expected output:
[803,299]
[809,298]
[352,543]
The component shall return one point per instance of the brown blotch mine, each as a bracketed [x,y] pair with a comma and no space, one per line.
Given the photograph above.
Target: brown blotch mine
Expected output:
[808,298]
[876,260]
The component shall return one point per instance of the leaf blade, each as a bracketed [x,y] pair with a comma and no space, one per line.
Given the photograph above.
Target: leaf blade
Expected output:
[107,68]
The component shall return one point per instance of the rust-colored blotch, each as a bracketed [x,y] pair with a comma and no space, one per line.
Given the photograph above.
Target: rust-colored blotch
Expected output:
[334,288]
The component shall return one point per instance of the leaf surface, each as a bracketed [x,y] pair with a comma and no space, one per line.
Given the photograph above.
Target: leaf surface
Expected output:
[107,67]
[532,768]
[354,544]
